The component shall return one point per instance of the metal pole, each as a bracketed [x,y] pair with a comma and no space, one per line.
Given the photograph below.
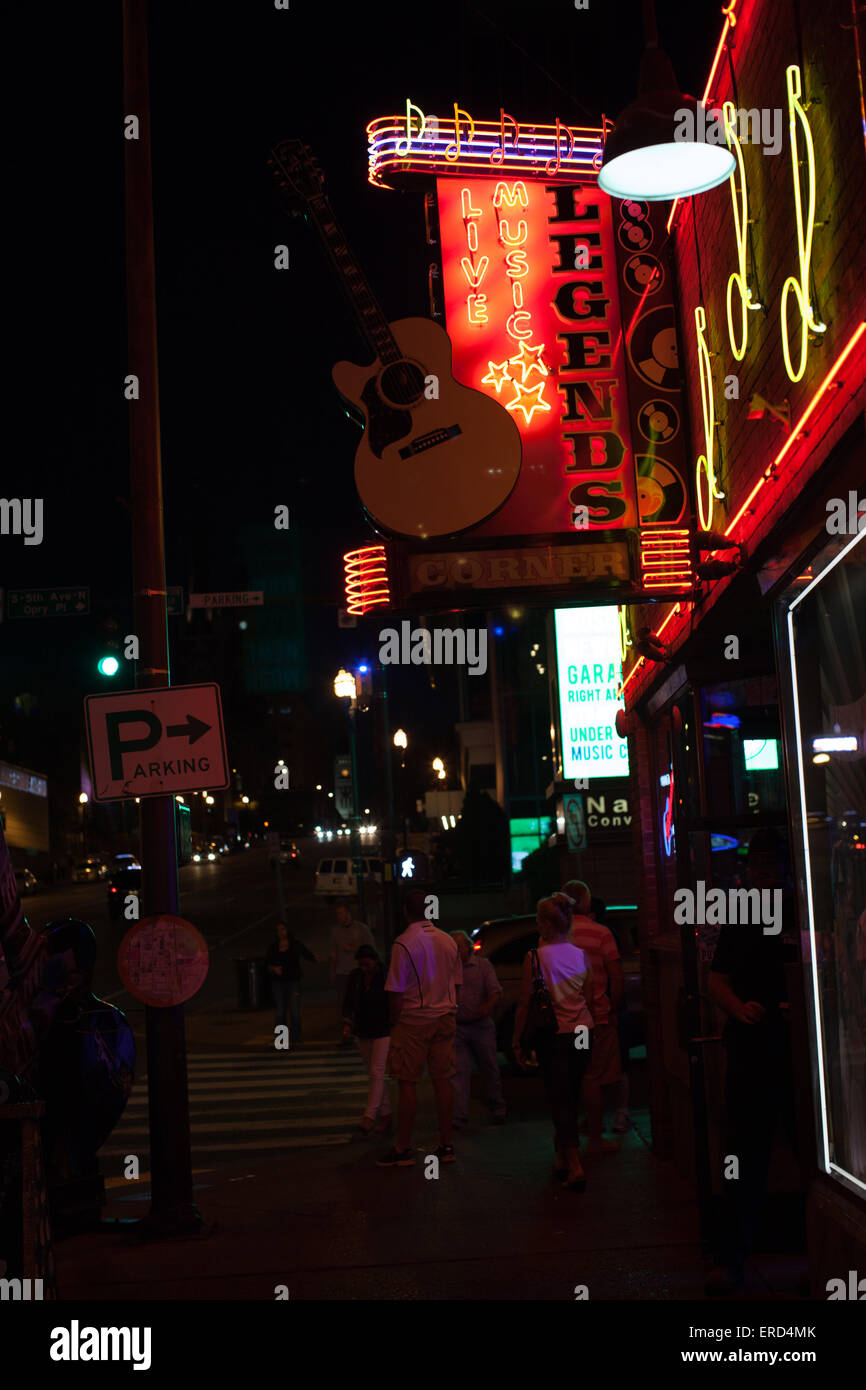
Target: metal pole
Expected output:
[389,838]
[172,1210]
[356,819]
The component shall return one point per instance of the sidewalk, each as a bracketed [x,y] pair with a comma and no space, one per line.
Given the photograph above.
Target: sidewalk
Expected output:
[328,1224]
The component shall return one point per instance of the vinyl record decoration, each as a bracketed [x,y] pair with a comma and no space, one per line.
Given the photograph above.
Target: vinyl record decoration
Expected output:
[661,492]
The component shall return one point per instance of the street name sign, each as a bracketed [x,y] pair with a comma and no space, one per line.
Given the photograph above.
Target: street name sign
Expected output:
[48,603]
[252,598]
[156,742]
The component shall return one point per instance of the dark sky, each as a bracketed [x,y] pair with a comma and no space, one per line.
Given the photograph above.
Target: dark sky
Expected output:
[249,415]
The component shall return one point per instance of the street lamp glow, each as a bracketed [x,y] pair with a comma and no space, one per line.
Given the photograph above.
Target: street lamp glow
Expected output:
[179,798]
[209,800]
[400,739]
[245,800]
[438,765]
[344,685]
[83,799]
[318,786]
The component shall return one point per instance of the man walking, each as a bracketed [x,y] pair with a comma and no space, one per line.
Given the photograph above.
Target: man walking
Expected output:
[476,1034]
[609,983]
[346,936]
[423,984]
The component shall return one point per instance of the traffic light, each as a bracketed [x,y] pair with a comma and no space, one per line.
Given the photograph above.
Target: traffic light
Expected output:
[108,666]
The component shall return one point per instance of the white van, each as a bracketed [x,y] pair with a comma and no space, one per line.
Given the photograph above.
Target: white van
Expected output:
[335,876]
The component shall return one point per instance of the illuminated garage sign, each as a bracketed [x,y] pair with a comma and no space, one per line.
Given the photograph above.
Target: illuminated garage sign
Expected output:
[589,671]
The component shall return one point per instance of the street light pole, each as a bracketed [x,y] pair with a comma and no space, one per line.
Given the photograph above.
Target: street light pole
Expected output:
[172,1210]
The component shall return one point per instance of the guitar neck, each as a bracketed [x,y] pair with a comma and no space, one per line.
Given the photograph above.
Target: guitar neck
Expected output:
[368,313]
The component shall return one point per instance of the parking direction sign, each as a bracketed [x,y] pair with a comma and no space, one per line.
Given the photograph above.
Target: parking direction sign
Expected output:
[250,598]
[156,742]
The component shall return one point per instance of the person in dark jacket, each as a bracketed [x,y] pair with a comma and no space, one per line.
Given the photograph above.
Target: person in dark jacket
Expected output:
[366,1014]
[284,966]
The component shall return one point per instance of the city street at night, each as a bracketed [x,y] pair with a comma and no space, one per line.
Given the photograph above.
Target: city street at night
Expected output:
[433,682]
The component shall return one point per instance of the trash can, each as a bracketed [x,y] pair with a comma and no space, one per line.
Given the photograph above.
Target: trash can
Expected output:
[251,978]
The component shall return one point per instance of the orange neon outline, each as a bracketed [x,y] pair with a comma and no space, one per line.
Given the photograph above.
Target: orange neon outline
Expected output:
[522,359]
[730,22]
[476,304]
[513,197]
[538,403]
[518,333]
[491,379]
[798,428]
[475,274]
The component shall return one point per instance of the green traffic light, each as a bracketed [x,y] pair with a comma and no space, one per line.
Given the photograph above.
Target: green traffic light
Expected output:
[108,666]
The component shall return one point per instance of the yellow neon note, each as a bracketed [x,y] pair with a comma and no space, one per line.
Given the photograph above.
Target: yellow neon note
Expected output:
[706,462]
[739,198]
[452,153]
[800,287]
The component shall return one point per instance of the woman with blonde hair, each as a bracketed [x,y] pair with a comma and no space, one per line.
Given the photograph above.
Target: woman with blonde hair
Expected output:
[554,1019]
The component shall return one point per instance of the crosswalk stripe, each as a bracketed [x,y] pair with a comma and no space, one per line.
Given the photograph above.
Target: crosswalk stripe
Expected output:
[297,1143]
[198,1127]
[196,1099]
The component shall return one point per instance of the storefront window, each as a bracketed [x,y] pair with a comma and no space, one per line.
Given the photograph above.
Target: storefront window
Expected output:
[823,639]
[743,748]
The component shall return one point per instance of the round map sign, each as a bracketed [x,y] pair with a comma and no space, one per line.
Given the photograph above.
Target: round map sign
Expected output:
[163,961]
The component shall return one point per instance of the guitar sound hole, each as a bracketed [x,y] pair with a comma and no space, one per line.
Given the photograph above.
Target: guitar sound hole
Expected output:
[402,383]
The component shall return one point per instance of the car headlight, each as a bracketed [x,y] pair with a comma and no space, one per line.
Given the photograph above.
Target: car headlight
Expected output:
[211,856]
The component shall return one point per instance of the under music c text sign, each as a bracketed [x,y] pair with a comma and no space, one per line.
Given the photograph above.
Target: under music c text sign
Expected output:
[156,742]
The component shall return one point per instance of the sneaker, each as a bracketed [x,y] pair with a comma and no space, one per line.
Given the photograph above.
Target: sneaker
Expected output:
[445,1153]
[724,1280]
[396,1158]
[622,1122]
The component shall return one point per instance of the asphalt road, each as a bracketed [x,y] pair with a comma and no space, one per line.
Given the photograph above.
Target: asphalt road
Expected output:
[232,902]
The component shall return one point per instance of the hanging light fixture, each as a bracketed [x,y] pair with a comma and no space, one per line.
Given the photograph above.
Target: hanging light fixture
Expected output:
[663,146]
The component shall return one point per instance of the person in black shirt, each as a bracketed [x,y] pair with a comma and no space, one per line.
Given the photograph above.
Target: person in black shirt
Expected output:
[747,981]
[366,1013]
[284,965]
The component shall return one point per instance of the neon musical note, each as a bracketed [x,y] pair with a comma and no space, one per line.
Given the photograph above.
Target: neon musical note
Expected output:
[800,287]
[498,156]
[706,461]
[738,280]
[553,165]
[728,12]
[455,146]
[410,107]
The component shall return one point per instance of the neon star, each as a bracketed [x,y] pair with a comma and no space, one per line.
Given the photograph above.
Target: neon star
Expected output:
[529,359]
[531,393]
[497,376]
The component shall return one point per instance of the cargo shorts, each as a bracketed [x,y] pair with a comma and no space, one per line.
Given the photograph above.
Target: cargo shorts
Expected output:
[429,1040]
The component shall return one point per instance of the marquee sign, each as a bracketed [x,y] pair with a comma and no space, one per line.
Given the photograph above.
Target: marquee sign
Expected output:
[402,148]
[546,339]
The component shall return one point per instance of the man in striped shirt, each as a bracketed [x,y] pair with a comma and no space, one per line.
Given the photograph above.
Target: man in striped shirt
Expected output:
[605,1067]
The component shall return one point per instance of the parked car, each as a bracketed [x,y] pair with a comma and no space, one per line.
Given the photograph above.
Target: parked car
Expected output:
[26,882]
[335,876]
[121,884]
[89,871]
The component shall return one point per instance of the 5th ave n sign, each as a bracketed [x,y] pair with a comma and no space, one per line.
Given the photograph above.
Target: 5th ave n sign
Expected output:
[156,742]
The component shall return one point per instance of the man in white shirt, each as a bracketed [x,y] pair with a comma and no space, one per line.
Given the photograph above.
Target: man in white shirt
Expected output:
[423,981]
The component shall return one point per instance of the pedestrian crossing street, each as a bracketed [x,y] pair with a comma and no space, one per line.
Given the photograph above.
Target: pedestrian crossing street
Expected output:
[255,1100]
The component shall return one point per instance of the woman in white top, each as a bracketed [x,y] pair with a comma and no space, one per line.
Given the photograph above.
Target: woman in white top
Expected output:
[563,1056]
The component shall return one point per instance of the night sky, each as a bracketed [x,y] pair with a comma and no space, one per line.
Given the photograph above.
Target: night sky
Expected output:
[249,414]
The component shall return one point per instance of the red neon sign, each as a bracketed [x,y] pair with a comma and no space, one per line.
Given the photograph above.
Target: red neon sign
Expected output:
[532,307]
[366,579]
